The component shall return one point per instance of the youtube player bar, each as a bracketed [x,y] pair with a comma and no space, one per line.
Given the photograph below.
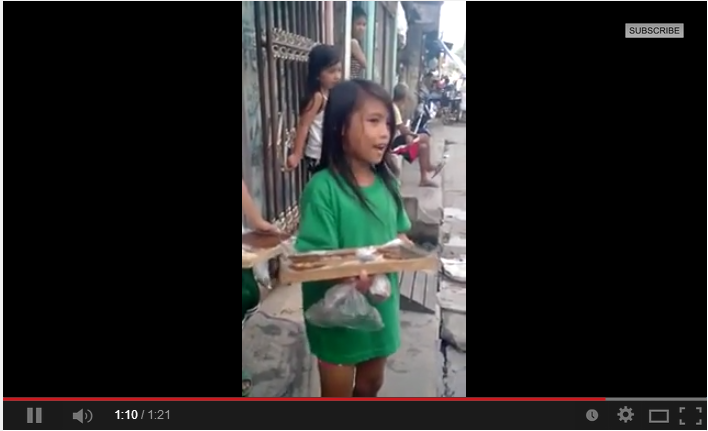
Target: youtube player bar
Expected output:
[447,413]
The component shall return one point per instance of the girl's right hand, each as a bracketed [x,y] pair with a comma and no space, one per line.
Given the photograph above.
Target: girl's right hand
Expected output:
[292,162]
[363,282]
[265,227]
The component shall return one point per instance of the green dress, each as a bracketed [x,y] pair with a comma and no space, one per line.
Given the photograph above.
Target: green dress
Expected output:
[333,218]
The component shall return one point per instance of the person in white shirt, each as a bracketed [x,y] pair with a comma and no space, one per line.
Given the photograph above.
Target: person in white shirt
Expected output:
[324,71]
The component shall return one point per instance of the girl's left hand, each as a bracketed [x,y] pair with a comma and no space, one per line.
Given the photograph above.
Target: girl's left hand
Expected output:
[404,238]
[292,162]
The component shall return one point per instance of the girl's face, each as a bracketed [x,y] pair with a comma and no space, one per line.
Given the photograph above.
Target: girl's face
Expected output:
[359,27]
[368,133]
[331,76]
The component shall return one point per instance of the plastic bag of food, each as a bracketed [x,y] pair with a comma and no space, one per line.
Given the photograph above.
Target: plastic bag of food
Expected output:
[380,289]
[343,306]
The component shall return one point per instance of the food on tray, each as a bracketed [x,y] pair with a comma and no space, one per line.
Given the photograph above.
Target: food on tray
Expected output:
[262,241]
[336,264]
[391,254]
[364,255]
[308,258]
[304,266]
[399,253]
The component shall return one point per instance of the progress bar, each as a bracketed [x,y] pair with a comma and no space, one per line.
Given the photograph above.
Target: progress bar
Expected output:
[656,399]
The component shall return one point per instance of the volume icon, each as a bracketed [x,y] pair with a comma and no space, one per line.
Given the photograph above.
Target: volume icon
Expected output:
[82,416]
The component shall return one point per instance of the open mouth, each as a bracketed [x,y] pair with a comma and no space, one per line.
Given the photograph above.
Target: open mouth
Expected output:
[381,147]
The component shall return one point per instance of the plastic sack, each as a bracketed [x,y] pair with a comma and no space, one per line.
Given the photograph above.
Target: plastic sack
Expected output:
[455,269]
[380,289]
[343,306]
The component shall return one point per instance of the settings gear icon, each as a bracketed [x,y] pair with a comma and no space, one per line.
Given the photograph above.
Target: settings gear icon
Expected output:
[625,414]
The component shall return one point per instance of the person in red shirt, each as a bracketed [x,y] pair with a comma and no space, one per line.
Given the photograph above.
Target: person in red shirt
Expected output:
[410,145]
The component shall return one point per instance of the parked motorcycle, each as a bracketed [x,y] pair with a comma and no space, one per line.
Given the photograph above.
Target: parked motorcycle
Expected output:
[424,113]
[451,104]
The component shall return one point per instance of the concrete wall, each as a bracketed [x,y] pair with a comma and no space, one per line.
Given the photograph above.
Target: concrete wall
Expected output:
[252,137]
[421,17]
[413,53]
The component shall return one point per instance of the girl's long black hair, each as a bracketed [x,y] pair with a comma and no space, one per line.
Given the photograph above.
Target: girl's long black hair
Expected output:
[344,99]
[320,58]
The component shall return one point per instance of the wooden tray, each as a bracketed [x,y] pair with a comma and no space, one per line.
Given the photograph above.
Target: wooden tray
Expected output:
[260,247]
[331,265]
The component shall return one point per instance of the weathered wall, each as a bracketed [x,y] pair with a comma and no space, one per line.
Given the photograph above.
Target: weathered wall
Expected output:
[252,145]
[339,17]
[421,17]
[413,53]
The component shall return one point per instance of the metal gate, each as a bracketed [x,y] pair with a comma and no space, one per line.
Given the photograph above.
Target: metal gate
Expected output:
[386,41]
[286,31]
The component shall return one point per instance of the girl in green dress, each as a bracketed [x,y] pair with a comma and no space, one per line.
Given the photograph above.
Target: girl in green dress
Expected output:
[250,291]
[353,201]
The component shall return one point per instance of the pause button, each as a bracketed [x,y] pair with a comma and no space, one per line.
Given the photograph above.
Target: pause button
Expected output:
[34,415]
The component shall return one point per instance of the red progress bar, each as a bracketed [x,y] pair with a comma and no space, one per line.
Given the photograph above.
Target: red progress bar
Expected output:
[422,399]
[301,399]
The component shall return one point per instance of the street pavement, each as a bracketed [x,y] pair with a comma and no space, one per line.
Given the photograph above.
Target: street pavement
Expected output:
[453,294]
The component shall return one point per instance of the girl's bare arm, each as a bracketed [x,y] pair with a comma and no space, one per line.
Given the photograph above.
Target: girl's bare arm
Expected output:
[253,214]
[358,53]
[303,125]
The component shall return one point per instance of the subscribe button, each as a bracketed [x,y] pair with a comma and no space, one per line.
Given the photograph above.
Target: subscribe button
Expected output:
[653,31]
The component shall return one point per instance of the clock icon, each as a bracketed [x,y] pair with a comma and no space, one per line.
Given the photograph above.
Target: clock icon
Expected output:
[591,415]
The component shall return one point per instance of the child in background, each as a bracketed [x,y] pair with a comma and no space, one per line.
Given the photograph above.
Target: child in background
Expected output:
[324,70]
[358,65]
[353,201]
[250,291]
[419,144]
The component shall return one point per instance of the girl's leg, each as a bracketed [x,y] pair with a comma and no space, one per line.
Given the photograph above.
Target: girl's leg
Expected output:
[425,162]
[369,378]
[336,381]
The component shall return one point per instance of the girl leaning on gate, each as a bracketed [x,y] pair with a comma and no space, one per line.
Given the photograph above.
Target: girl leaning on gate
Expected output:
[250,289]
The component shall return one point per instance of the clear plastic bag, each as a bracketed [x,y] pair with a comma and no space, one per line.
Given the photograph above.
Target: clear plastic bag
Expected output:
[380,289]
[343,306]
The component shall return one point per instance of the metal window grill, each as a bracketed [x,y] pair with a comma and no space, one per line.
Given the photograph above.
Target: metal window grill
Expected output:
[286,31]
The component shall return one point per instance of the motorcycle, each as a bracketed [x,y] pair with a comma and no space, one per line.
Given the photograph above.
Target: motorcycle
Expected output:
[451,104]
[425,112]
